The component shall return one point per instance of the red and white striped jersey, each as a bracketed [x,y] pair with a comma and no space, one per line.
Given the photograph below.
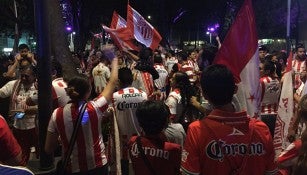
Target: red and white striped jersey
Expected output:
[193,64]
[298,67]
[125,103]
[160,83]
[270,92]
[189,70]
[143,81]
[169,63]
[59,96]
[89,150]
[174,103]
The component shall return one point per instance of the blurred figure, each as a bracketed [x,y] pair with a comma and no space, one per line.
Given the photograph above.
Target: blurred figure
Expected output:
[163,157]
[24,127]
[292,161]
[210,144]
[88,156]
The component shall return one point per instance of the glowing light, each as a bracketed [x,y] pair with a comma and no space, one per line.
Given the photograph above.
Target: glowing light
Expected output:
[7,49]
[68,28]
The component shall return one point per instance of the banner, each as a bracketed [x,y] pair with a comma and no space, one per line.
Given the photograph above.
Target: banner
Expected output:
[117,21]
[142,30]
[239,52]
[285,110]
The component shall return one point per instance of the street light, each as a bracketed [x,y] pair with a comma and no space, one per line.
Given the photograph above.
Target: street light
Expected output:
[212,30]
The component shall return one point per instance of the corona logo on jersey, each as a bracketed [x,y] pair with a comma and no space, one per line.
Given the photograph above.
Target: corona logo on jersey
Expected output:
[216,150]
[126,105]
[154,152]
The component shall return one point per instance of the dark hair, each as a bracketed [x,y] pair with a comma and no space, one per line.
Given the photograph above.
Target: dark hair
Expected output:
[269,66]
[183,83]
[152,116]
[125,76]
[299,45]
[218,84]
[263,48]
[158,59]
[77,87]
[23,46]
[301,164]
[183,55]
[29,67]
[145,53]
[56,66]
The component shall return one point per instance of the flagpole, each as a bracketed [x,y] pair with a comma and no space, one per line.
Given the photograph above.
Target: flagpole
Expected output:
[288,27]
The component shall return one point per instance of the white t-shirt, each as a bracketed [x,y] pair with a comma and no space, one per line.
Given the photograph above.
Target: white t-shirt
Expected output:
[101,74]
[125,103]
[18,102]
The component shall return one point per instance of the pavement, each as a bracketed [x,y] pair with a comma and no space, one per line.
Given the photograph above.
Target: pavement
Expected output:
[34,165]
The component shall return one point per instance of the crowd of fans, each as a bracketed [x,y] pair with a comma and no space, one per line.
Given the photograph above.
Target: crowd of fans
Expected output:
[175,112]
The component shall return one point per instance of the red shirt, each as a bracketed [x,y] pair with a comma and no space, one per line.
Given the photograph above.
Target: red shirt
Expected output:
[164,159]
[8,145]
[219,143]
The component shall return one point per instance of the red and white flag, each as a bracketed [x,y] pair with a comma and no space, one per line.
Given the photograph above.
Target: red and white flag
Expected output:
[122,38]
[142,30]
[117,21]
[285,110]
[239,52]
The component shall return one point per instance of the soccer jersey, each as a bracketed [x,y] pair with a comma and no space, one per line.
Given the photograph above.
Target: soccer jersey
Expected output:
[165,158]
[298,67]
[101,74]
[289,156]
[19,94]
[59,96]
[14,170]
[174,104]
[89,150]
[270,92]
[143,81]
[189,70]
[222,141]
[160,83]
[169,63]
[8,144]
[125,103]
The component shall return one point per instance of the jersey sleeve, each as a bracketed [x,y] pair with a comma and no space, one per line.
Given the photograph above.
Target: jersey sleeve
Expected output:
[171,102]
[8,143]
[7,89]
[190,158]
[52,122]
[288,157]
[100,103]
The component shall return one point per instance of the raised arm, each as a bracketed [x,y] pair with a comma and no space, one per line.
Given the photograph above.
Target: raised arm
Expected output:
[109,89]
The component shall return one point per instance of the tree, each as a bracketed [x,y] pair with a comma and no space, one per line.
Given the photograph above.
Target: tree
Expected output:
[13,26]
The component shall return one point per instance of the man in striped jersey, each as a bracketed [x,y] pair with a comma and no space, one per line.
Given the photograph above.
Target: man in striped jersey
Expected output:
[160,83]
[125,103]
[299,64]
[270,92]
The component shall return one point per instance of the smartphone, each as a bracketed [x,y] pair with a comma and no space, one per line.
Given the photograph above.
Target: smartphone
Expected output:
[19,115]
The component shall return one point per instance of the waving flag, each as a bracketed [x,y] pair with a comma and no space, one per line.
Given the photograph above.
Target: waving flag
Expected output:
[239,52]
[117,21]
[285,110]
[122,38]
[142,30]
